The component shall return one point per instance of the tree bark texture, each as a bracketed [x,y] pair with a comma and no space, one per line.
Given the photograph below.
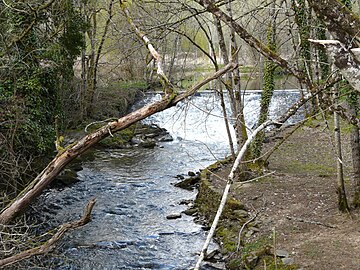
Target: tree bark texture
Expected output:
[341,22]
[344,60]
[355,151]
[340,189]
[268,88]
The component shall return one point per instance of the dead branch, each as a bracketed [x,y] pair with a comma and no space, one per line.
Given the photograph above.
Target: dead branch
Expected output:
[243,227]
[310,222]
[48,245]
[164,80]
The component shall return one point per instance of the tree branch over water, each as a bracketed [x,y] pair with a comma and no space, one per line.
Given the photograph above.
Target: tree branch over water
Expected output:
[171,98]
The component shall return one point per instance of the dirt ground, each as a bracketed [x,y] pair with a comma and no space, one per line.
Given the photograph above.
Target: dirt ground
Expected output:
[298,200]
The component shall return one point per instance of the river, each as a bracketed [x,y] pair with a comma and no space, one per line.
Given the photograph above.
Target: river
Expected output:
[135,192]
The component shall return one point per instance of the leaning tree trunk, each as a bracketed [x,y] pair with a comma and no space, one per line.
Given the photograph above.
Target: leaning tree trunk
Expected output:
[170,99]
[230,181]
[36,187]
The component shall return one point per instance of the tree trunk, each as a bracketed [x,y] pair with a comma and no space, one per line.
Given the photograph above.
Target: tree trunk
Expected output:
[355,151]
[239,126]
[342,200]
[268,89]
[225,57]
[91,65]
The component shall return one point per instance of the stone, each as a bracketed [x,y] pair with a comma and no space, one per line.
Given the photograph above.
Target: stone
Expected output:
[165,138]
[149,143]
[254,229]
[136,140]
[189,183]
[190,211]
[249,233]
[186,202]
[287,261]
[214,266]
[282,253]
[173,216]
[213,256]
[190,173]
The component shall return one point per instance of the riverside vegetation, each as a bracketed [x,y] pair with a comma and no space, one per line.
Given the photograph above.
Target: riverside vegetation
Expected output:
[59,58]
[287,219]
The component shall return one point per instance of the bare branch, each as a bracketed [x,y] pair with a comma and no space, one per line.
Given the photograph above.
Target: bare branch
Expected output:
[48,245]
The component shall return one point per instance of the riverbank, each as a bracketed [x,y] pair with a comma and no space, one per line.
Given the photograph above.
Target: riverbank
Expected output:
[294,208]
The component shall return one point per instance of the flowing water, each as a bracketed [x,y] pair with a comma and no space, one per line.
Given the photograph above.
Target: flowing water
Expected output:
[135,192]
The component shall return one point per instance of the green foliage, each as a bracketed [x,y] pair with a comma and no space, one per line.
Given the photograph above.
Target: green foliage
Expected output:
[302,19]
[41,46]
[323,58]
[266,94]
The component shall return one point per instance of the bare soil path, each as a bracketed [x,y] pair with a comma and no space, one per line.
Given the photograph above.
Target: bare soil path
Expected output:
[299,201]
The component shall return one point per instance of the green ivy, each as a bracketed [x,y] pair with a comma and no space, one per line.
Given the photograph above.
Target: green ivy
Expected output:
[39,69]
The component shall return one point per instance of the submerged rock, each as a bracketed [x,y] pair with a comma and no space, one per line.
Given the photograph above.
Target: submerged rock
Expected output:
[148,143]
[190,211]
[173,216]
[189,183]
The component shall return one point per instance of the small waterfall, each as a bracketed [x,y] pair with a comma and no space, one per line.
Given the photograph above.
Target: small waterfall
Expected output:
[200,117]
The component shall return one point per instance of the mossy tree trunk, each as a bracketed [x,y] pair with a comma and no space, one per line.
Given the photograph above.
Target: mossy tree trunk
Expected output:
[352,100]
[303,20]
[268,89]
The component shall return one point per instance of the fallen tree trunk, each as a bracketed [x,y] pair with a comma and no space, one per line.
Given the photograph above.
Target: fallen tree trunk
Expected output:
[48,245]
[36,187]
